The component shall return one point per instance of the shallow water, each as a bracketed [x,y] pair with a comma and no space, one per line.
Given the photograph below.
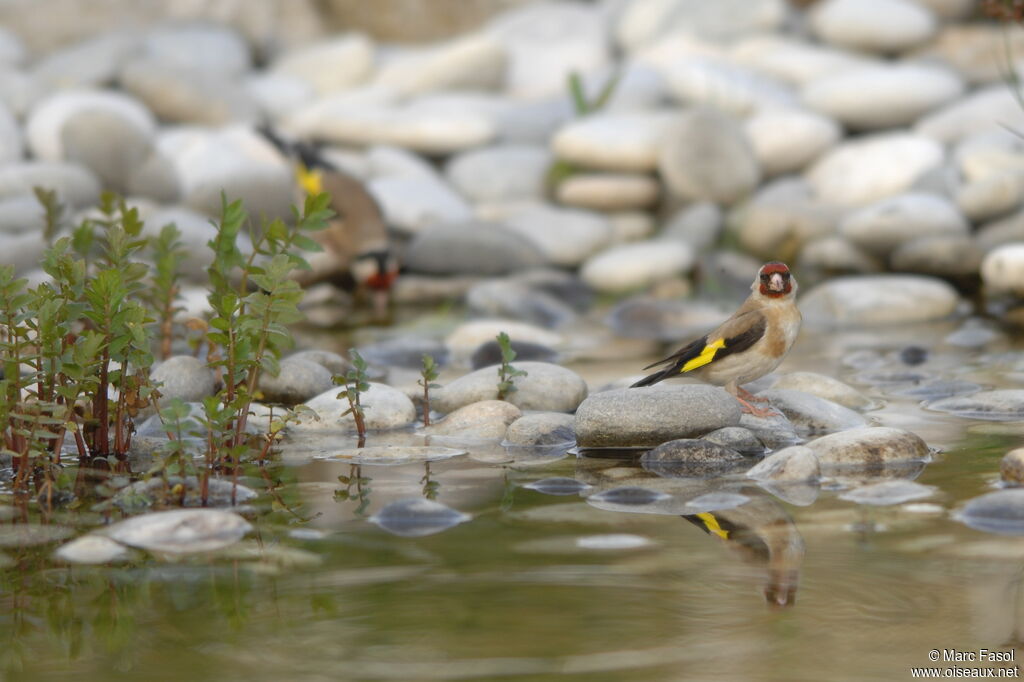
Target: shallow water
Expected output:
[540,586]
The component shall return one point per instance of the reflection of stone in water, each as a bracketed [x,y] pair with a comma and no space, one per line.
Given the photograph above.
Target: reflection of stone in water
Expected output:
[999,512]
[417,517]
[888,492]
[558,485]
[632,496]
[763,534]
[717,501]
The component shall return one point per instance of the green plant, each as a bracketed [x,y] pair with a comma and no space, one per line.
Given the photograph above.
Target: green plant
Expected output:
[506,372]
[428,374]
[431,488]
[561,169]
[356,383]
[362,490]
[168,254]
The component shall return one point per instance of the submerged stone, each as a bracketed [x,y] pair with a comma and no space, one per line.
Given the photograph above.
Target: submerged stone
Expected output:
[559,485]
[416,517]
[999,512]
[1011,467]
[92,549]
[796,463]
[32,534]
[717,501]
[1001,405]
[541,429]
[737,438]
[630,496]
[869,447]
[180,531]
[177,491]
[939,388]
[888,492]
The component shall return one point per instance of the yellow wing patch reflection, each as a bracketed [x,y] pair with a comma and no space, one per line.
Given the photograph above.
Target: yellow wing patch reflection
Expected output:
[706,356]
[711,523]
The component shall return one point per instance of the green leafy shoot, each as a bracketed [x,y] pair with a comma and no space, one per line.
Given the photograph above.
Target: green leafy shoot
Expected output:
[356,383]
[506,372]
[428,374]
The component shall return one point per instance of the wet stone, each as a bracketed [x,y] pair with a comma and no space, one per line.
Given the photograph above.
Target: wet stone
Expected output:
[181,531]
[92,549]
[559,485]
[736,438]
[1001,405]
[395,454]
[489,353]
[999,512]
[630,496]
[546,387]
[796,463]
[404,351]
[417,517]
[185,377]
[1011,466]
[775,431]
[888,378]
[938,389]
[888,492]
[297,381]
[332,362]
[869,447]
[187,492]
[692,457]
[717,501]
[825,387]
[543,429]
[484,420]
[811,414]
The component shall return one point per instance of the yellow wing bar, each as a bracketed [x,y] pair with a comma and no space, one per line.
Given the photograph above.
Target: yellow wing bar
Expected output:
[311,180]
[706,356]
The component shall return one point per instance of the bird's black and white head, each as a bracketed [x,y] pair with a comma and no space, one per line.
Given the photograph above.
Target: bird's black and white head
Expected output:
[774,280]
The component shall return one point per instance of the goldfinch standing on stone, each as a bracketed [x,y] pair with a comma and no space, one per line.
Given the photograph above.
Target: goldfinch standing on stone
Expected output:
[357,252]
[745,347]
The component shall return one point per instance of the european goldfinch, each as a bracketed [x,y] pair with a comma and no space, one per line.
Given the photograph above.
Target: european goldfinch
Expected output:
[745,347]
[357,250]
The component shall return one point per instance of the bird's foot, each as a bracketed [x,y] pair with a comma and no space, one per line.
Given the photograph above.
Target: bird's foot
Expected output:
[746,396]
[760,412]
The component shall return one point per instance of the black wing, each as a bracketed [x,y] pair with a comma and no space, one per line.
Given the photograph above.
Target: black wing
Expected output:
[732,344]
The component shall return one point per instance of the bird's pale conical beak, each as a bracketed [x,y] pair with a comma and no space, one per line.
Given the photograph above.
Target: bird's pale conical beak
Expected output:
[775,282]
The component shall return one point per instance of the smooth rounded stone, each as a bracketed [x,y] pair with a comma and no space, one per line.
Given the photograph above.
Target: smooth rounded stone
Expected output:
[142,495]
[472,248]
[566,236]
[418,126]
[11,144]
[884,225]
[629,267]
[836,255]
[565,286]
[184,377]
[180,531]
[416,517]
[991,196]
[793,464]
[826,387]
[12,49]
[663,320]
[76,185]
[638,87]
[967,48]
[999,512]
[205,46]
[999,405]
[234,161]
[795,61]
[630,496]
[723,85]
[873,167]
[936,389]
[338,64]
[887,493]
[91,550]
[23,251]
[545,43]
[1002,269]
[541,429]
[642,22]
[428,290]
[879,299]
[647,417]
[707,157]
[622,141]
[699,225]
[882,26]
[812,414]
[384,408]
[474,62]
[512,300]
[785,215]
[485,420]
[608,191]
[1011,466]
[736,438]
[297,381]
[90,63]
[786,140]
[500,173]
[20,215]
[489,353]
[559,485]
[545,387]
[988,109]
[395,455]
[465,339]
[412,203]
[901,94]
[278,95]
[188,95]
[942,256]
[692,457]
[869,446]
[1003,231]
[401,351]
